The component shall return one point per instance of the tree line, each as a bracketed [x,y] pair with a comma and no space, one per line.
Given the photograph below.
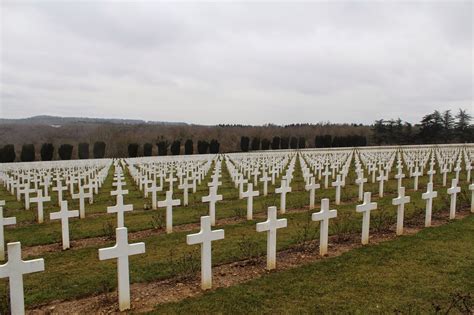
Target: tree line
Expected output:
[65,151]
[28,152]
[323,141]
[436,127]
[203,147]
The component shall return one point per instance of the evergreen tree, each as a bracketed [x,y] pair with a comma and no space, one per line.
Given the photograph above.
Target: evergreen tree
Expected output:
[175,147]
[147,149]
[214,146]
[99,150]
[463,128]
[294,143]
[163,147]
[203,146]
[133,150]
[188,147]
[276,143]
[301,143]
[83,150]
[244,144]
[255,143]
[47,152]
[27,153]
[265,144]
[65,151]
[8,153]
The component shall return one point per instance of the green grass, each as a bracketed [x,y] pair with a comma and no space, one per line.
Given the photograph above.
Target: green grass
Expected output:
[78,272]
[410,274]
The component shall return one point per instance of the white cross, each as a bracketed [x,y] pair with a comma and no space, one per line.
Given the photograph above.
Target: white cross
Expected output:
[366,208]
[271,226]
[381,179]
[429,195]
[64,214]
[399,176]
[416,174]
[453,191]
[212,198]
[14,270]
[400,202]
[249,194]
[59,188]
[3,222]
[27,190]
[444,171]
[265,179]
[338,183]
[360,181]
[283,190]
[171,181]
[39,199]
[185,185]
[312,186]
[153,189]
[120,209]
[324,215]
[205,237]
[121,251]
[326,174]
[81,196]
[241,181]
[169,202]
[431,172]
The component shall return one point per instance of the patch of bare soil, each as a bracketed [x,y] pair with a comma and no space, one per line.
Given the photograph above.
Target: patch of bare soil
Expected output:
[145,296]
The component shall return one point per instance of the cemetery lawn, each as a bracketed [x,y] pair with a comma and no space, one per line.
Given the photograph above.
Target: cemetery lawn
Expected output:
[411,274]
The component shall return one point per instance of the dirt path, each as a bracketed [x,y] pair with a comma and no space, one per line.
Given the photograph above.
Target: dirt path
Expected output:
[145,296]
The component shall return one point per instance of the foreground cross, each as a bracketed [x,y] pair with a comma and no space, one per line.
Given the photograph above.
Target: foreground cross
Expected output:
[400,201]
[271,226]
[429,195]
[453,191]
[14,270]
[324,215]
[366,208]
[120,209]
[249,194]
[64,214]
[121,251]
[169,202]
[205,237]
[3,222]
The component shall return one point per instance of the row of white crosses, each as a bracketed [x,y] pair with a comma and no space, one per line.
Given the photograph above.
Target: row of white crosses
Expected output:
[15,267]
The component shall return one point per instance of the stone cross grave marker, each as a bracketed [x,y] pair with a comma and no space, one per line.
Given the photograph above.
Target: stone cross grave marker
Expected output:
[121,250]
[270,226]
[205,237]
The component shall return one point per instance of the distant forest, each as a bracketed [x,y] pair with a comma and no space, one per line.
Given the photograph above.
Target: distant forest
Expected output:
[36,140]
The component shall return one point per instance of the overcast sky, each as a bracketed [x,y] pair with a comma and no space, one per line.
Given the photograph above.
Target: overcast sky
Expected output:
[250,63]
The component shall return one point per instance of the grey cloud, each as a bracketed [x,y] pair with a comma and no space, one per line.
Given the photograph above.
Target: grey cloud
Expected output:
[236,62]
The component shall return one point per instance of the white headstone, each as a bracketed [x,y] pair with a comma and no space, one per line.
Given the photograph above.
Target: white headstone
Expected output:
[366,208]
[400,202]
[169,202]
[324,215]
[453,191]
[249,194]
[64,214]
[14,270]
[429,195]
[121,251]
[271,226]
[3,222]
[205,237]
[120,209]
